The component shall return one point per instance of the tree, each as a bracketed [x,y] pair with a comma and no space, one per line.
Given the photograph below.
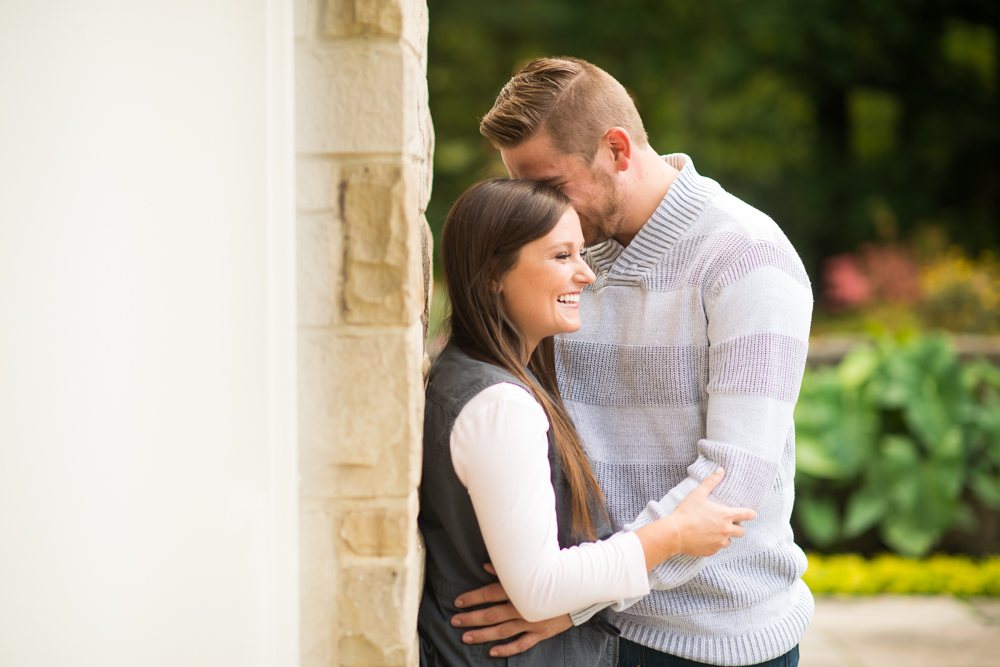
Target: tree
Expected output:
[844,120]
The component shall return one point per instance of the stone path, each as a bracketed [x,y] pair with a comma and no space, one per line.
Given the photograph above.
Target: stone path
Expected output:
[898,631]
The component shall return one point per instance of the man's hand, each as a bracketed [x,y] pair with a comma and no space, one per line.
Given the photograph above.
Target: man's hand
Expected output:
[502,621]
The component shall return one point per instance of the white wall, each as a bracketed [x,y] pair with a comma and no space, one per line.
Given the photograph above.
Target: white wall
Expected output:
[146,334]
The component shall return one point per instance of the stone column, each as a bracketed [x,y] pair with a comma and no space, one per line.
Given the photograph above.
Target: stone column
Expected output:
[364,144]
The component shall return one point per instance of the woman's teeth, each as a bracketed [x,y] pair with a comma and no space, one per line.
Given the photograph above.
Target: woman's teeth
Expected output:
[569,298]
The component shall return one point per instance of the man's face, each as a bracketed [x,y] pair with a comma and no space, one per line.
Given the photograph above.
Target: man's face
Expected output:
[592,189]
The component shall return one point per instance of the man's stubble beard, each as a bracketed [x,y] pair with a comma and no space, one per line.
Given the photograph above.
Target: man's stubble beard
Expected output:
[603,223]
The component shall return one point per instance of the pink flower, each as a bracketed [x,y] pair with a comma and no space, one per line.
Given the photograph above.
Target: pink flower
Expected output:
[892,274]
[845,284]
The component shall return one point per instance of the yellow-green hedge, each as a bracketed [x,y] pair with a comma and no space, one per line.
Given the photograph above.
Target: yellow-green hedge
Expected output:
[854,575]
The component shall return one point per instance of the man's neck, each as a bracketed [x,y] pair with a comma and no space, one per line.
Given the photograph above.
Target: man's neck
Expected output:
[647,188]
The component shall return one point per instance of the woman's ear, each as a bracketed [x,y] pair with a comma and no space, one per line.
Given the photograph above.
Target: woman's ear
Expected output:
[494,284]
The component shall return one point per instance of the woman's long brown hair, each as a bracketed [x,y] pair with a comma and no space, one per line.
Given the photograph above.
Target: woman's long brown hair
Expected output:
[482,240]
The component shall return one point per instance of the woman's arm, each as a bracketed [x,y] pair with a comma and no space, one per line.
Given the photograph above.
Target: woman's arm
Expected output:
[500,452]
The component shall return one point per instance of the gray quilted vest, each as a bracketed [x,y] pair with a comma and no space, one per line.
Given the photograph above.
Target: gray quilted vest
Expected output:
[455,548]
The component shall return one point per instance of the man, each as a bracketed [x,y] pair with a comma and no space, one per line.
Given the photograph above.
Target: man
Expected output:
[690,358]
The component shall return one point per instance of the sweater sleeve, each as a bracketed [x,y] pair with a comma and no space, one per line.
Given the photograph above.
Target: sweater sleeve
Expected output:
[499,449]
[758,312]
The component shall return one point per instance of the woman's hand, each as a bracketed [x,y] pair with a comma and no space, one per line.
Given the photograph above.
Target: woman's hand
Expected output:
[697,527]
[704,526]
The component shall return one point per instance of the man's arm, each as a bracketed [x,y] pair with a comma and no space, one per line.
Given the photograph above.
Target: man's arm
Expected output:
[759,311]
[502,621]
[697,527]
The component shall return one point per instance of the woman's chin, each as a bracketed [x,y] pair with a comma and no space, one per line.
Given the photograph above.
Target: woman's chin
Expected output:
[571,327]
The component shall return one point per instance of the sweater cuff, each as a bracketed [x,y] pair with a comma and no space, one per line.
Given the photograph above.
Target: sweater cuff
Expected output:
[581,616]
[637,579]
[657,509]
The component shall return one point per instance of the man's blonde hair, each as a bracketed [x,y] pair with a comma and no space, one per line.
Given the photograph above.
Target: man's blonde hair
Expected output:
[574,102]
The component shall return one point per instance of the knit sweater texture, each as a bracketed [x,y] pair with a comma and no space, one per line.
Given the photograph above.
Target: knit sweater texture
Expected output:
[690,357]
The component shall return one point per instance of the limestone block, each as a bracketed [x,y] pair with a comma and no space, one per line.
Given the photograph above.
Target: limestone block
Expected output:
[406,19]
[350,98]
[320,276]
[397,470]
[378,531]
[382,279]
[415,26]
[414,563]
[317,594]
[427,182]
[365,394]
[422,174]
[353,18]
[375,625]
[419,131]
[361,412]
[427,255]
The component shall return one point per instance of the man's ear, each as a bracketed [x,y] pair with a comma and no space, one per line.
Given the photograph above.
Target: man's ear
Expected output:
[619,142]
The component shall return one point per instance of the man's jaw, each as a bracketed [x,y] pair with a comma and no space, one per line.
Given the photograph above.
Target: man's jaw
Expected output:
[594,233]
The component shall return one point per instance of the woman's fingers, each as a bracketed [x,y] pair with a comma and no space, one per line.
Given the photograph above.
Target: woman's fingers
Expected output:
[709,484]
[490,616]
[743,514]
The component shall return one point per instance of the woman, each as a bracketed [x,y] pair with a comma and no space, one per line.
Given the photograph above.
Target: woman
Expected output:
[505,478]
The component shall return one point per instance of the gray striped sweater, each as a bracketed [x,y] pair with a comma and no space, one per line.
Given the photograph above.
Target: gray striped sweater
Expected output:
[690,357]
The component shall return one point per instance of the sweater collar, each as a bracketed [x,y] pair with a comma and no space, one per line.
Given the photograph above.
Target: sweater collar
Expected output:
[681,206]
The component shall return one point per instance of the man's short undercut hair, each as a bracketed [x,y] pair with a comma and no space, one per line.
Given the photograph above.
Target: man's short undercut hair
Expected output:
[574,102]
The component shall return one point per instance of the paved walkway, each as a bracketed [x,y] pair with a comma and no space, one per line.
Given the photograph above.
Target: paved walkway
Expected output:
[898,631]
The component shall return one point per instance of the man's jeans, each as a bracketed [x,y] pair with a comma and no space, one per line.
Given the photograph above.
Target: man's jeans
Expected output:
[631,654]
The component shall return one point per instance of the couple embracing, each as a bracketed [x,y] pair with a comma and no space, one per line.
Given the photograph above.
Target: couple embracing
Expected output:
[608,443]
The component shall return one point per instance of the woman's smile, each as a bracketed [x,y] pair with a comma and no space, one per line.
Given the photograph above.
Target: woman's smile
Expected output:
[541,294]
[571,300]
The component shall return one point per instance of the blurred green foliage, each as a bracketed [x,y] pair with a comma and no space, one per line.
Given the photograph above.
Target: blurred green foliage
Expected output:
[850,574]
[897,438]
[842,119]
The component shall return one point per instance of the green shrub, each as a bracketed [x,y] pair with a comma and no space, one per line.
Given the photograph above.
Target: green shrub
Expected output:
[896,438]
[850,574]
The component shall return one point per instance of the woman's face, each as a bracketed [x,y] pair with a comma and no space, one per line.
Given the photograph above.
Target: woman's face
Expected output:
[541,294]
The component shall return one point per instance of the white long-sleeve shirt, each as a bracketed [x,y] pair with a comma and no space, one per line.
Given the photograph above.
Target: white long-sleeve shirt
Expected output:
[499,450]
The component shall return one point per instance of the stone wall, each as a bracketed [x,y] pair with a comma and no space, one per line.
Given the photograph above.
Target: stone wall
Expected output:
[364,144]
